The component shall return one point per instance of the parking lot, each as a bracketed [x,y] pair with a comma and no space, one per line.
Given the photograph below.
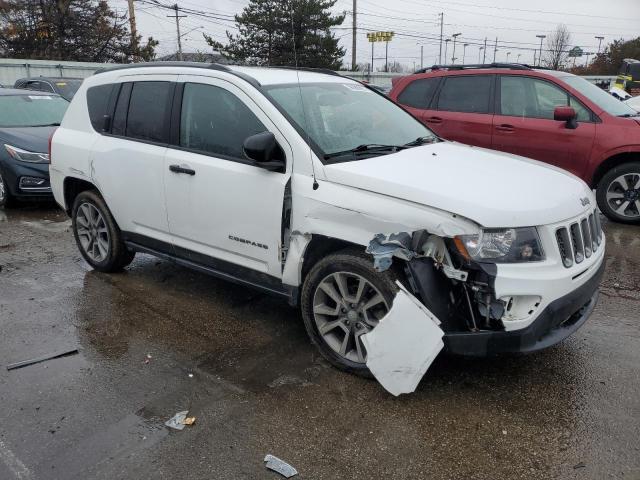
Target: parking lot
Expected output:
[160,339]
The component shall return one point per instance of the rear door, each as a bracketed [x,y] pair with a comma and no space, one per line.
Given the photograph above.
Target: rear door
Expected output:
[128,160]
[464,109]
[524,123]
[225,208]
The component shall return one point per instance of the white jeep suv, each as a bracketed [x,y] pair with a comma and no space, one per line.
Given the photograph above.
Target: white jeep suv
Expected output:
[315,188]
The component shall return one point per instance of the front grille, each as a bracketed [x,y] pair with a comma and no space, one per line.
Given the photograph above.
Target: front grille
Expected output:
[579,240]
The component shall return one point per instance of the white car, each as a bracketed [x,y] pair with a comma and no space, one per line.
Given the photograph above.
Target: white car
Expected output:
[634,102]
[317,189]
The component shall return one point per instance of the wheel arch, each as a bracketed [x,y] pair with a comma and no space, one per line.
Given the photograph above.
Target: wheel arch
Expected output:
[319,247]
[72,187]
[612,162]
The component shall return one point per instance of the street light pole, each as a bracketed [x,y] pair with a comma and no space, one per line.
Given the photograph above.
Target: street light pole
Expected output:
[599,42]
[453,55]
[508,53]
[354,35]
[541,37]
[480,53]
[421,56]
[464,51]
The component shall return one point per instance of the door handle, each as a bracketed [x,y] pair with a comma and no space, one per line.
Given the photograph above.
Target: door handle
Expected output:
[179,169]
[436,120]
[505,128]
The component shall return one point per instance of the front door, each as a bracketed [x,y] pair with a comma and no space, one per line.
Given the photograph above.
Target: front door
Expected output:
[220,206]
[524,124]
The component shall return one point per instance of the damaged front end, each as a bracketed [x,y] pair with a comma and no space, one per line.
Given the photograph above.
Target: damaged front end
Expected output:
[458,291]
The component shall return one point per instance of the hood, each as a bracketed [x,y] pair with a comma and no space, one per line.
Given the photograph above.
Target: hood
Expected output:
[34,139]
[491,188]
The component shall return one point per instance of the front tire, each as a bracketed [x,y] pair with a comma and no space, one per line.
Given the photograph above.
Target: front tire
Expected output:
[618,193]
[343,298]
[6,199]
[98,237]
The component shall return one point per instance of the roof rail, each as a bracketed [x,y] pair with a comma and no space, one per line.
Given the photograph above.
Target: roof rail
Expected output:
[308,69]
[124,66]
[510,66]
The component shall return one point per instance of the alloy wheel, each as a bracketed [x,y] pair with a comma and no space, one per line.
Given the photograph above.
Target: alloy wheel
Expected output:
[93,233]
[345,307]
[3,189]
[623,195]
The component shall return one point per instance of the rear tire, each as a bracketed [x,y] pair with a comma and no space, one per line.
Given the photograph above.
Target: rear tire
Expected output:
[618,193]
[97,235]
[335,321]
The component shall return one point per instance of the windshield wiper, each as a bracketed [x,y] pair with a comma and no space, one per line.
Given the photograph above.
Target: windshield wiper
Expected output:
[365,148]
[421,141]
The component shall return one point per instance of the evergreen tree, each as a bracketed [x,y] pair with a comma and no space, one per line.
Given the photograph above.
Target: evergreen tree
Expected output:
[270,29]
[79,30]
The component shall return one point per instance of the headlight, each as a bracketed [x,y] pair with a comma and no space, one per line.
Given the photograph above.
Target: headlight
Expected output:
[26,156]
[509,245]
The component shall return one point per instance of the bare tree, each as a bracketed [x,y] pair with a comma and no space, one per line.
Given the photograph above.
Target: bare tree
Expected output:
[557,50]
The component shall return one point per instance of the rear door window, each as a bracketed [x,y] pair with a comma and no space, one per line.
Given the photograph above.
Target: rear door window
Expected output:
[466,93]
[418,93]
[149,108]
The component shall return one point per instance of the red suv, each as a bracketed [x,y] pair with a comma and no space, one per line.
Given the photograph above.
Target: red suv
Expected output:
[551,116]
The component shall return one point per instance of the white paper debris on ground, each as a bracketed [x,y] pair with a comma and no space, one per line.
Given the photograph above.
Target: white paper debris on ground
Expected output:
[277,465]
[404,344]
[177,421]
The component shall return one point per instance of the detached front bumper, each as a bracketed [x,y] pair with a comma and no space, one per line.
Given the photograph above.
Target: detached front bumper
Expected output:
[559,320]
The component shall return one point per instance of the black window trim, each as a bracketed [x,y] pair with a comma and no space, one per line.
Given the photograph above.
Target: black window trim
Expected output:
[498,104]
[492,93]
[176,120]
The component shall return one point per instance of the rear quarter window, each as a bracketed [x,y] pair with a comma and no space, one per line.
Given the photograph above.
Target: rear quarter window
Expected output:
[97,104]
[418,93]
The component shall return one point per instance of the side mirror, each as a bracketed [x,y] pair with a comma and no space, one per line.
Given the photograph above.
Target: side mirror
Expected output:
[264,150]
[566,114]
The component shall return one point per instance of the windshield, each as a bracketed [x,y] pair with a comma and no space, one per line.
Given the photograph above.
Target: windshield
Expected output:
[67,88]
[604,100]
[31,110]
[339,117]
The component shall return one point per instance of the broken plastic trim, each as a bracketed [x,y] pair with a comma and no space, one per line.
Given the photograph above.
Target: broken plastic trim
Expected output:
[404,344]
[279,466]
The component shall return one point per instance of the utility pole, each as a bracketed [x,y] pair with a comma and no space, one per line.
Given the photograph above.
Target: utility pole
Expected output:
[541,37]
[441,15]
[354,35]
[446,44]
[134,30]
[495,50]
[599,43]
[464,51]
[484,51]
[421,56]
[453,55]
[178,17]
[372,44]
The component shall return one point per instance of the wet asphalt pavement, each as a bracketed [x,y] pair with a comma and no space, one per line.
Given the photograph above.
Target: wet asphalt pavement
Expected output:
[257,386]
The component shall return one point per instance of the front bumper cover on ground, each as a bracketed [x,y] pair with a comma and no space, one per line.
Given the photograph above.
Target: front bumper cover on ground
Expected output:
[556,322]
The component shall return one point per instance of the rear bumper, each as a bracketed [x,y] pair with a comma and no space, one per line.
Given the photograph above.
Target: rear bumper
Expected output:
[559,320]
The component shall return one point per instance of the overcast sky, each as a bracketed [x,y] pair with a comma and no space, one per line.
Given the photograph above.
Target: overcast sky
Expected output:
[415,22]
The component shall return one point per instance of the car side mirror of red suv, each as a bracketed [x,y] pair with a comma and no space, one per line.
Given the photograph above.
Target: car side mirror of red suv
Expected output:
[566,114]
